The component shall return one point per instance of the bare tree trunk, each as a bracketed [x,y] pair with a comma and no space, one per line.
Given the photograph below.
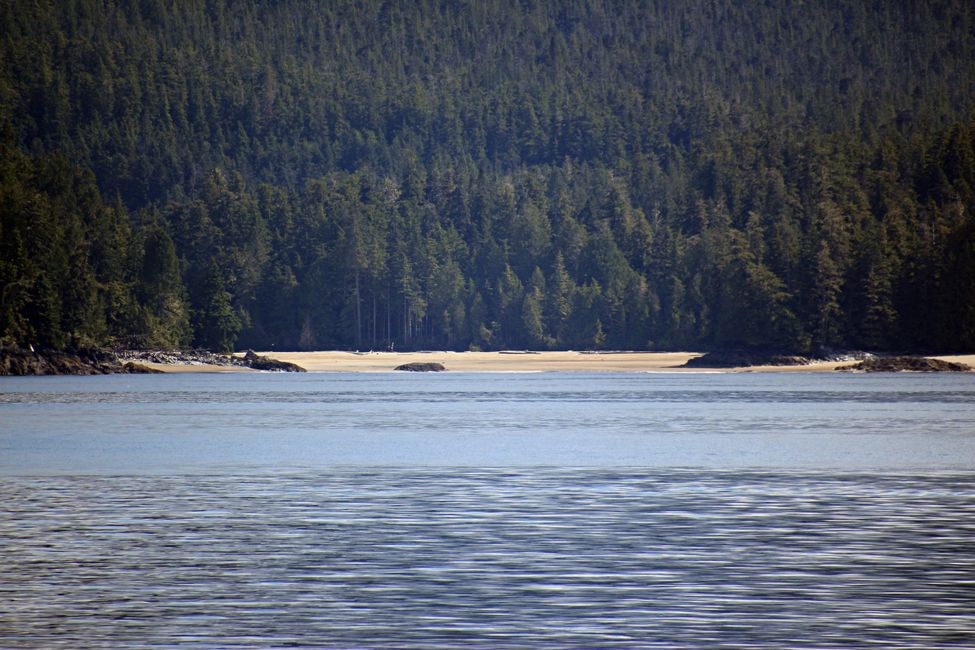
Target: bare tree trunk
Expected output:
[406,321]
[358,313]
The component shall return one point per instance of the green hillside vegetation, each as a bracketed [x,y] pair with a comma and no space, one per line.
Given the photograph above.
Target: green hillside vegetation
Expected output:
[452,174]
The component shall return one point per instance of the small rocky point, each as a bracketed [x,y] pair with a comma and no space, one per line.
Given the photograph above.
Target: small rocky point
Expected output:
[906,364]
[15,360]
[421,366]
[204,357]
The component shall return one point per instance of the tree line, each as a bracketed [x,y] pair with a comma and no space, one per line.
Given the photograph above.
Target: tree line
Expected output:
[498,175]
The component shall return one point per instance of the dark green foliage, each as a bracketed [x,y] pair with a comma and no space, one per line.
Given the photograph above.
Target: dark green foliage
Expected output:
[160,291]
[585,174]
[214,320]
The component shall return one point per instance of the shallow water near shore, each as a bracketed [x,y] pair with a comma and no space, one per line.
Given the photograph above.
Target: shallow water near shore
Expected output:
[636,510]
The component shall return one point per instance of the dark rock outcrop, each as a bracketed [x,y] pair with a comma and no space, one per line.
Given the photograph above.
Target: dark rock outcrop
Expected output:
[19,362]
[138,369]
[257,362]
[421,366]
[93,361]
[906,364]
[745,358]
[83,361]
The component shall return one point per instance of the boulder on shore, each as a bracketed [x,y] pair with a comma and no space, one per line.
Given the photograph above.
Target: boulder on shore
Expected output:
[744,358]
[132,368]
[257,362]
[421,366]
[906,364]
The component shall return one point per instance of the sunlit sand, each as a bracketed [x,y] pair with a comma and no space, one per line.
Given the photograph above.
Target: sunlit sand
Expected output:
[564,361]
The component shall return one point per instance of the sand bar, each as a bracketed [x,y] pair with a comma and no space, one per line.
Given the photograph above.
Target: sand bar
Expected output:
[565,361]
[967,359]
[489,361]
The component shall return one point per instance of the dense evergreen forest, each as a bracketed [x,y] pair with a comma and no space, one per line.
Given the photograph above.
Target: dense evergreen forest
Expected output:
[638,174]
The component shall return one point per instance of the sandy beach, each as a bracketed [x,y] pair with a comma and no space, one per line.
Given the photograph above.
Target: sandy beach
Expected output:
[489,361]
[564,361]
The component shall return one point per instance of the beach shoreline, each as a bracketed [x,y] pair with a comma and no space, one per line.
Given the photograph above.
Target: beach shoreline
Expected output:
[508,361]
[515,361]
[95,361]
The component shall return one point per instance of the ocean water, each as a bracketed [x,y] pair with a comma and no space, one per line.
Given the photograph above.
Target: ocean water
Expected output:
[488,510]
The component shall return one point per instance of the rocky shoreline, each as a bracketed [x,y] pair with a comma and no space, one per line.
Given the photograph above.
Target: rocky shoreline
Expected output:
[17,361]
[181,358]
[865,361]
[250,359]
[84,361]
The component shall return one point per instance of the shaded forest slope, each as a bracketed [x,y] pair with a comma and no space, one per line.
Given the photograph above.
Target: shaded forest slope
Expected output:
[450,174]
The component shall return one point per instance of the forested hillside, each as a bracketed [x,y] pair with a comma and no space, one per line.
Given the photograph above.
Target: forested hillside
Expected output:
[458,174]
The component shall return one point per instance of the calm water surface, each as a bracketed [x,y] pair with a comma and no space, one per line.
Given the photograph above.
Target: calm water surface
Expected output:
[508,510]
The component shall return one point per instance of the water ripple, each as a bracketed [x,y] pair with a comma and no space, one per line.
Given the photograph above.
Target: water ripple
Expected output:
[646,395]
[386,557]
